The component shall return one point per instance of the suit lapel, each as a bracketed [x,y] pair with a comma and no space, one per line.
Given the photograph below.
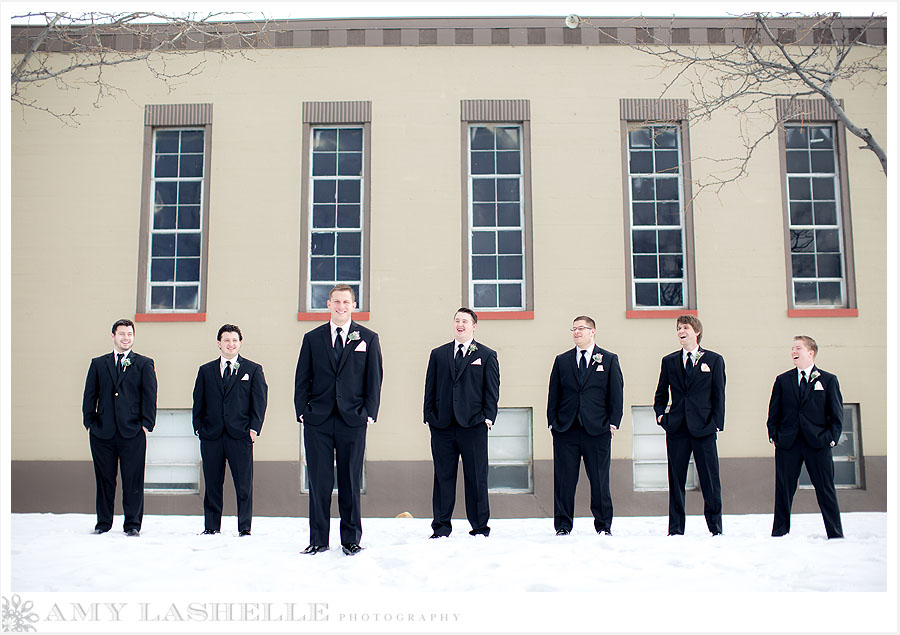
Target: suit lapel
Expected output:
[451,360]
[678,361]
[111,365]
[215,369]
[329,345]
[795,386]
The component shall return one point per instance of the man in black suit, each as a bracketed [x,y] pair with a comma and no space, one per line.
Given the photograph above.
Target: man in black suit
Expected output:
[584,410]
[462,387]
[806,413]
[229,407]
[119,409]
[695,377]
[337,390]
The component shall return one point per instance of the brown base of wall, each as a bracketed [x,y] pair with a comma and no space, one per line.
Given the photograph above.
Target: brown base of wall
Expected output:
[405,486]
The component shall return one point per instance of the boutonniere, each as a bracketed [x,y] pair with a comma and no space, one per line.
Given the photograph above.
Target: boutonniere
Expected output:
[472,348]
[353,336]
[126,363]
[235,366]
[814,375]
[598,357]
[698,355]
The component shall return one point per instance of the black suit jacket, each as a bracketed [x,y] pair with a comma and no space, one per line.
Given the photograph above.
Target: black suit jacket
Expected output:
[126,400]
[596,399]
[819,413]
[354,382]
[699,402]
[470,395]
[235,409]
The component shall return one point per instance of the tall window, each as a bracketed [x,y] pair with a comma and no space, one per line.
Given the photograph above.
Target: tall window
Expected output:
[847,454]
[336,221]
[813,192]
[497,245]
[175,234]
[334,200]
[174,239]
[656,217]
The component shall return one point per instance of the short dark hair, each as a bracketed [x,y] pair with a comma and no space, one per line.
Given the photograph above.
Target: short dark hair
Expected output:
[230,328]
[589,321]
[342,287]
[122,322]
[809,343]
[468,312]
[694,322]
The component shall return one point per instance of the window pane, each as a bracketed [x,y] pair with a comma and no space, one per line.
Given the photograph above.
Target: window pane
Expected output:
[323,216]
[668,214]
[186,298]
[188,217]
[324,139]
[829,265]
[644,214]
[797,161]
[484,215]
[324,163]
[805,293]
[483,243]
[348,216]
[483,190]
[801,213]
[187,270]
[646,294]
[323,191]
[484,267]
[670,294]
[162,269]
[348,243]
[482,138]
[321,269]
[667,189]
[826,213]
[164,217]
[509,242]
[485,296]
[641,162]
[192,141]
[823,189]
[644,241]
[802,241]
[510,295]
[320,295]
[827,240]
[803,265]
[350,139]
[796,137]
[189,192]
[822,160]
[642,189]
[162,298]
[639,138]
[508,163]
[671,267]
[191,166]
[507,189]
[166,193]
[166,165]
[188,245]
[820,137]
[508,477]
[348,268]
[798,189]
[670,241]
[645,267]
[508,215]
[323,243]
[665,138]
[830,293]
[163,245]
[167,140]
[350,163]
[348,191]
[507,138]
[667,162]
[509,267]
[482,163]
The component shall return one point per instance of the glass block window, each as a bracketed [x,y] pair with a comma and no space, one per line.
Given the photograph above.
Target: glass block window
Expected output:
[173,455]
[336,221]
[175,226]
[846,454]
[509,452]
[304,472]
[650,466]
[816,237]
[657,219]
[496,220]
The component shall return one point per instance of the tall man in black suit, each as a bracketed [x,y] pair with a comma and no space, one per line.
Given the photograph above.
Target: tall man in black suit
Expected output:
[229,407]
[462,387]
[806,413]
[337,390]
[119,409]
[584,410]
[695,377]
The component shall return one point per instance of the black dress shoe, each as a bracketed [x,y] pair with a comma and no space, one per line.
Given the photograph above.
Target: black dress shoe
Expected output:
[717,533]
[132,532]
[244,532]
[480,532]
[209,532]
[437,535]
[562,532]
[312,550]
[604,532]
[674,533]
[96,531]
[351,549]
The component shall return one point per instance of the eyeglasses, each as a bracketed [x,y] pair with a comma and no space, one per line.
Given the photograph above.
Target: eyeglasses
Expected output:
[580,328]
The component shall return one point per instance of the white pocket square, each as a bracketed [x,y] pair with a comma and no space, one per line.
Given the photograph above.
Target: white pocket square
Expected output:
[246,377]
[361,348]
[477,362]
[818,386]
[704,368]
[599,368]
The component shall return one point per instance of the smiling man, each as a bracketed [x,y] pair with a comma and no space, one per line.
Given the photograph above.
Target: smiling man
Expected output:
[806,413]
[119,409]
[695,377]
[230,396]
[462,387]
[337,391]
[584,410]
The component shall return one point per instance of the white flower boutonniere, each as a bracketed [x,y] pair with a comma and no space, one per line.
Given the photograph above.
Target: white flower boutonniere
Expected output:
[815,374]
[353,336]
[698,355]
[472,348]
[126,363]
[598,358]
[235,366]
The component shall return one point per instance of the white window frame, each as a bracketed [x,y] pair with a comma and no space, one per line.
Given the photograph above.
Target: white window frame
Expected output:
[849,435]
[176,231]
[470,178]
[642,418]
[496,432]
[656,227]
[173,423]
[360,295]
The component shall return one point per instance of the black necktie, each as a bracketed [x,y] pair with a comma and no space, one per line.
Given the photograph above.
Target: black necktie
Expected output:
[803,383]
[689,365]
[582,364]
[118,369]
[227,374]
[338,344]
[457,360]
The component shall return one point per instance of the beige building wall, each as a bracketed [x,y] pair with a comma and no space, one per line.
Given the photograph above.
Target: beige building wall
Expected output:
[76,194]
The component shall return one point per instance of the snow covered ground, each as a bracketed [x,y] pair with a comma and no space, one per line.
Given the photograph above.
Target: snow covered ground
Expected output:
[636,574]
